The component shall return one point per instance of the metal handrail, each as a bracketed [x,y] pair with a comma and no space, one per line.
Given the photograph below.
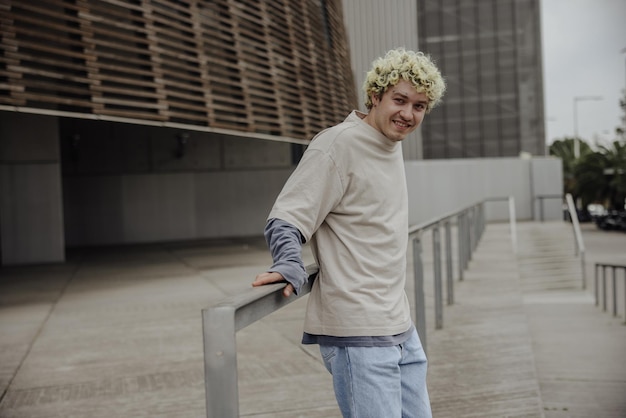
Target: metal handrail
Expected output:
[470,226]
[580,245]
[613,267]
[221,321]
[541,198]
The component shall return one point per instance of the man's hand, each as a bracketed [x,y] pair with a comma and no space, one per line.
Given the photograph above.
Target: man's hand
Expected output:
[273,277]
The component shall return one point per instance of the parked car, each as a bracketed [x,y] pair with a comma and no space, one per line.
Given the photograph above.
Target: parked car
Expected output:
[612,221]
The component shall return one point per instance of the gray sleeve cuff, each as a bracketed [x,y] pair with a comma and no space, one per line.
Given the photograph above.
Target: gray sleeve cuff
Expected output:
[285,243]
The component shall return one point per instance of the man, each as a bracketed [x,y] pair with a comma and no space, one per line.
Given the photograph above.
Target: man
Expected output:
[348,197]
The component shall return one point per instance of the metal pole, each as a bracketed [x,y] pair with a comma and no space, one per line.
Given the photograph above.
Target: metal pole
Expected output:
[418,277]
[450,281]
[614,292]
[438,284]
[479,221]
[483,224]
[604,288]
[624,294]
[596,281]
[513,223]
[476,221]
[220,362]
[576,140]
[468,237]
[470,232]
[459,244]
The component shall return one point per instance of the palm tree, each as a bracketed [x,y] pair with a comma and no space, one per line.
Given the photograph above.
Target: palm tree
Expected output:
[601,176]
[564,149]
[596,177]
[615,171]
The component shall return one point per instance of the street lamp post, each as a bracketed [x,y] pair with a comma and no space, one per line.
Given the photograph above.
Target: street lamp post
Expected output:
[576,139]
[623,51]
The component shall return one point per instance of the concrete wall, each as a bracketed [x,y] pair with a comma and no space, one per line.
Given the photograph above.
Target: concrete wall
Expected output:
[31,214]
[440,186]
[126,209]
[132,184]
[121,184]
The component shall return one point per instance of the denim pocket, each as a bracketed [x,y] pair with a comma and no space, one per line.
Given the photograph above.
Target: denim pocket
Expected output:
[328,353]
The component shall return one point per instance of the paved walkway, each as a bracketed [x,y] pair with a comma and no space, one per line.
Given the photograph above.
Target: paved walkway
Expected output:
[579,351]
[117,333]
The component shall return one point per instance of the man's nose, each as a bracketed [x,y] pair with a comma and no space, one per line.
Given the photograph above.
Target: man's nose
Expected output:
[406,112]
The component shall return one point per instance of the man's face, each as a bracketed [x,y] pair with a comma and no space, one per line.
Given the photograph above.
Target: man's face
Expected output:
[398,112]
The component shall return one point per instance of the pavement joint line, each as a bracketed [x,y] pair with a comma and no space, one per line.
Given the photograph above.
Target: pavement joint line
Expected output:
[40,329]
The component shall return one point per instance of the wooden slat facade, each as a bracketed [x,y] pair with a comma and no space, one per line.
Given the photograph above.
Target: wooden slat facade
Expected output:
[278,67]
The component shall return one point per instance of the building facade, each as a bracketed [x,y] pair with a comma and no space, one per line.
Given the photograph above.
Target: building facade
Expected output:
[490,54]
[374,27]
[252,66]
[138,121]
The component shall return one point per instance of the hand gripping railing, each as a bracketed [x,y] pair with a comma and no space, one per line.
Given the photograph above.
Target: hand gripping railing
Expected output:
[221,321]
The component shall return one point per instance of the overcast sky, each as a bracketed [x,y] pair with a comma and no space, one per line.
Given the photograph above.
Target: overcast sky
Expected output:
[582,44]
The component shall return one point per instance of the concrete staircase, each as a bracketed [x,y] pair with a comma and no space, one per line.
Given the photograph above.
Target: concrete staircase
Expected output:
[547,258]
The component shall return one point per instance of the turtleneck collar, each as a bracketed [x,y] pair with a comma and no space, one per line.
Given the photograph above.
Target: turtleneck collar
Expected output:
[384,142]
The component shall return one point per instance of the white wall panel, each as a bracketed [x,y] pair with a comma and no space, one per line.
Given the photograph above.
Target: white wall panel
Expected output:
[440,186]
[147,208]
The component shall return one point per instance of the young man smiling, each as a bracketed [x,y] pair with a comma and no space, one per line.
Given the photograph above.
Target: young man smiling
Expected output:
[348,198]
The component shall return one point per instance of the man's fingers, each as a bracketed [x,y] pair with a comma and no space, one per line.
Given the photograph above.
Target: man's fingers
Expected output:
[267,278]
[288,290]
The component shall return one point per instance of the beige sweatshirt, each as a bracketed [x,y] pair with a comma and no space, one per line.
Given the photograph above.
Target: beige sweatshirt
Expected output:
[348,196]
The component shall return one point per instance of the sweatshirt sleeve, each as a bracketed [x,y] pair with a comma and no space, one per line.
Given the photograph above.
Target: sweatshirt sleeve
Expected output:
[285,244]
[310,194]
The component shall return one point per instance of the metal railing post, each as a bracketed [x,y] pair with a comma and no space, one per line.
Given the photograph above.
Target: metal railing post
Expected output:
[596,277]
[614,269]
[604,288]
[220,362]
[614,291]
[624,267]
[513,223]
[220,323]
[482,219]
[470,233]
[476,227]
[438,283]
[459,245]
[420,300]
[449,274]
[467,238]
[580,246]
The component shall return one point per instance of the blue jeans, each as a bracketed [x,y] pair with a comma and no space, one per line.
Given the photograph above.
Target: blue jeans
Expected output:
[379,382]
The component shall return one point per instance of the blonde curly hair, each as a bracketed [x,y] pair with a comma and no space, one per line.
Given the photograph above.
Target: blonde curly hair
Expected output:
[414,67]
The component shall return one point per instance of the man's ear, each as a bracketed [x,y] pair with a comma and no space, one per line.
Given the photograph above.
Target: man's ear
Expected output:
[375,99]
